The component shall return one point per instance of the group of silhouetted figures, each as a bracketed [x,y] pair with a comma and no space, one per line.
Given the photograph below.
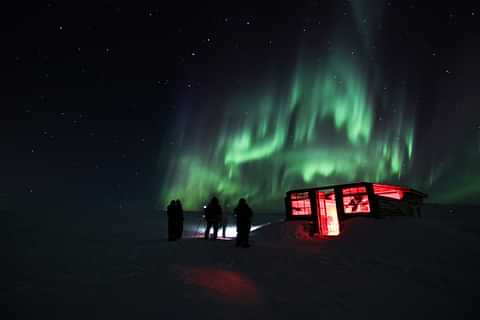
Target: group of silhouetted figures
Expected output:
[213,215]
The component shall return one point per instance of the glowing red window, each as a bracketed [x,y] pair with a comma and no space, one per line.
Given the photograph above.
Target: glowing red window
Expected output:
[327,215]
[355,200]
[301,204]
[354,190]
[356,204]
[384,190]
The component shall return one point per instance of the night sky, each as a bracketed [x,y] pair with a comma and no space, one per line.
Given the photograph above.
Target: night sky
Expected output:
[128,105]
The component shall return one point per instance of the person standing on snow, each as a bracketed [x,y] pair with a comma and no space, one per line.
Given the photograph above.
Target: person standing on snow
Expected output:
[244,223]
[179,219]
[224,224]
[172,223]
[213,215]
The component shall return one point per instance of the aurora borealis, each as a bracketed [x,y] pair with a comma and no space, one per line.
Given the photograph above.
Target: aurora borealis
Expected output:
[128,105]
[328,115]
[319,131]
[111,109]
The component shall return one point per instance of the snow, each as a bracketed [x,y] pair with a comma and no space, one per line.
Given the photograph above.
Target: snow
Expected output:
[118,264]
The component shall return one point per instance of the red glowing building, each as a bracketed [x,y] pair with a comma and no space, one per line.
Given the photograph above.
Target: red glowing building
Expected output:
[326,206]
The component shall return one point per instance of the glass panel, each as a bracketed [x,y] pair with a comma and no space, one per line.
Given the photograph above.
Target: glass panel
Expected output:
[327,214]
[301,204]
[385,190]
[354,190]
[356,204]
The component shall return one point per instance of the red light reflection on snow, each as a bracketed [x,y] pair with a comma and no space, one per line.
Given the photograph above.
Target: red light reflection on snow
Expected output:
[226,284]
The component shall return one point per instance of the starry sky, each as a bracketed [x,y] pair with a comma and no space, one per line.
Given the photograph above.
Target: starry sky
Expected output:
[130,104]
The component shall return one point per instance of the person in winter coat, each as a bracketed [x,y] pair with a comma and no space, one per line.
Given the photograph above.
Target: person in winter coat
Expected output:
[213,215]
[179,219]
[172,221]
[224,225]
[244,222]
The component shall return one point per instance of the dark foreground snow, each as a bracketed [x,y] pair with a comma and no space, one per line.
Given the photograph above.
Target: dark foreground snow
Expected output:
[118,265]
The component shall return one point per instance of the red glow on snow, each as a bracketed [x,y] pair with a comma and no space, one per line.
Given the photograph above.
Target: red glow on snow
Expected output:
[226,284]
[388,191]
[301,204]
[327,215]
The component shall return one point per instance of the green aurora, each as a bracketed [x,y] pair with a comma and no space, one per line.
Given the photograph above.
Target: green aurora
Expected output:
[320,131]
[323,123]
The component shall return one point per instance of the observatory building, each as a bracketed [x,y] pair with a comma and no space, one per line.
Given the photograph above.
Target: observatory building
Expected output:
[326,206]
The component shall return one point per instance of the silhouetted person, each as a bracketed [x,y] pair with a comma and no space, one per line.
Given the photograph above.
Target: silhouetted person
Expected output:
[224,225]
[213,215]
[179,218]
[244,222]
[172,223]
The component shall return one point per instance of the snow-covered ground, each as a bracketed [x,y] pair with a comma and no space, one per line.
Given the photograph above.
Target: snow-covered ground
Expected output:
[118,265]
